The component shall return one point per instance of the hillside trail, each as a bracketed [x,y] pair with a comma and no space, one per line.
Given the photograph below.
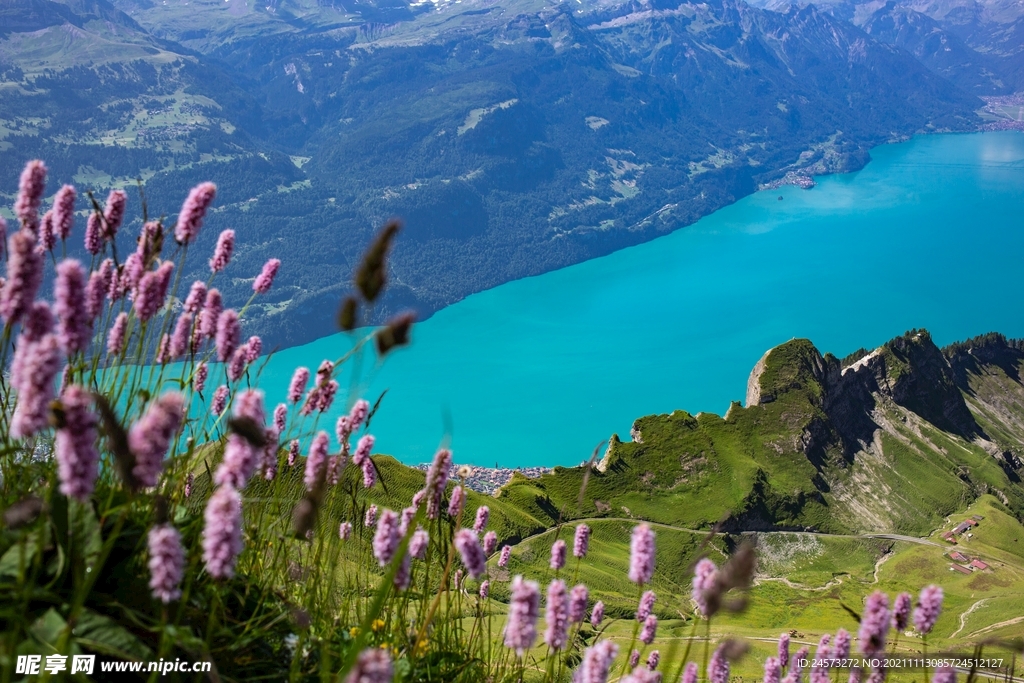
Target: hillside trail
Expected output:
[993,627]
[963,617]
[878,565]
[838,580]
[889,537]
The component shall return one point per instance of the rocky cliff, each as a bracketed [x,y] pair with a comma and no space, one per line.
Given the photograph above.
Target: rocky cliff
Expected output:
[889,440]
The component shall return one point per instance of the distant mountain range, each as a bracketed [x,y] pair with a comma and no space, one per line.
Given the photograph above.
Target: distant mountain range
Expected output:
[514,137]
[977,45]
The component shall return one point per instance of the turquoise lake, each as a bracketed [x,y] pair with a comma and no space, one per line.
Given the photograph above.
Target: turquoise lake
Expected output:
[540,370]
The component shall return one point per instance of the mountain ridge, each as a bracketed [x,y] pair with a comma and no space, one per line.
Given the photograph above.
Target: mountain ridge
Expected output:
[889,441]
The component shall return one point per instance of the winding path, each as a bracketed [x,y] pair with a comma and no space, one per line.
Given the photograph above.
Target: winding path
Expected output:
[890,537]
[963,617]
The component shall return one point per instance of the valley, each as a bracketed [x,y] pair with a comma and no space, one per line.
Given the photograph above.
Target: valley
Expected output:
[596,127]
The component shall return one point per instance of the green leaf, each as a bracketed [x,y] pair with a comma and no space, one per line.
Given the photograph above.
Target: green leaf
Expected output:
[48,627]
[59,515]
[98,633]
[12,562]
[88,538]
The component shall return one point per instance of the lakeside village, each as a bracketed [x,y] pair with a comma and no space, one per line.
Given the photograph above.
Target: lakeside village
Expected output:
[962,562]
[488,479]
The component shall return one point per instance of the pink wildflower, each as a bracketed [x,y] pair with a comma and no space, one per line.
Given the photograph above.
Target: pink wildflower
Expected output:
[345,530]
[874,624]
[166,563]
[47,233]
[220,400]
[241,458]
[327,393]
[237,364]
[24,275]
[468,545]
[371,516]
[266,277]
[929,605]
[901,611]
[653,659]
[418,544]
[455,503]
[228,333]
[30,194]
[646,605]
[506,553]
[578,599]
[222,252]
[74,326]
[298,384]
[363,449]
[842,644]
[597,662]
[190,220]
[705,582]
[182,334]
[96,292]
[293,452]
[581,541]
[316,461]
[641,556]
[280,417]
[649,629]
[372,666]
[199,377]
[772,670]
[356,416]
[115,339]
[558,549]
[597,614]
[93,234]
[784,650]
[196,297]
[490,542]
[222,535]
[253,348]
[557,616]
[437,480]
[150,437]
[523,610]
[210,314]
[482,514]
[113,213]
[75,447]
[152,291]
[342,430]
[64,211]
[387,537]
[38,370]
[718,668]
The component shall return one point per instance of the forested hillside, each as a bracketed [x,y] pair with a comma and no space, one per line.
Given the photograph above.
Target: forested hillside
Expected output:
[512,138]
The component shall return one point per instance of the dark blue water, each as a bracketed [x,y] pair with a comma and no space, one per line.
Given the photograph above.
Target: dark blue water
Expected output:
[538,371]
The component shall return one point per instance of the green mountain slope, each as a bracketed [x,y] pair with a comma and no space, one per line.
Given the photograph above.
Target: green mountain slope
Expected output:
[894,441]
